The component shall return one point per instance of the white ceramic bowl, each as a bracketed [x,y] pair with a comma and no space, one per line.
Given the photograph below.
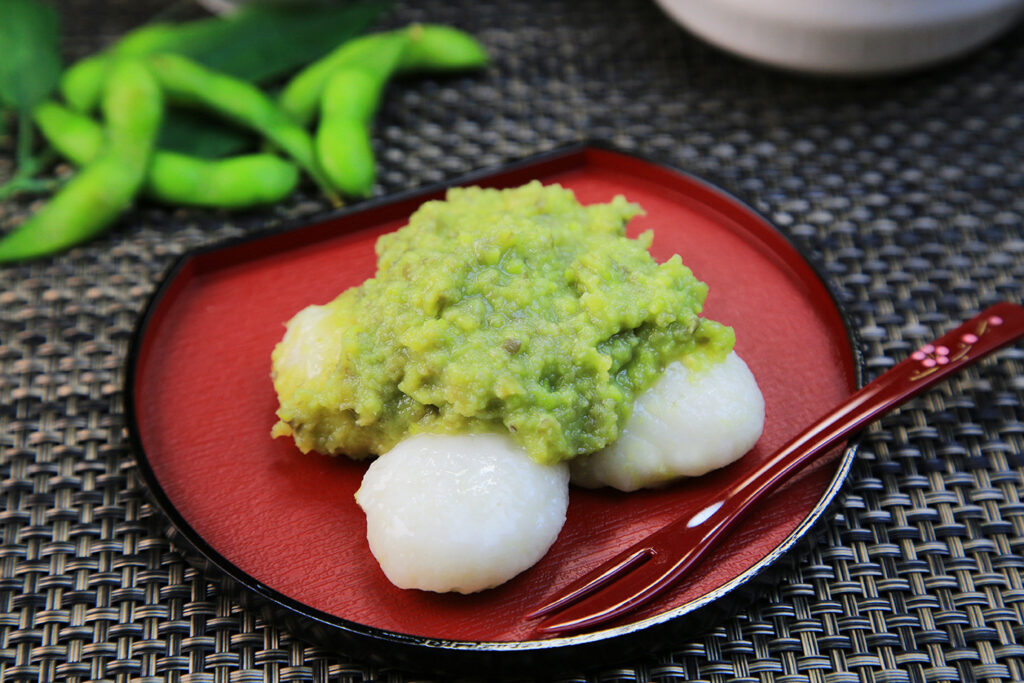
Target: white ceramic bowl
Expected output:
[852,37]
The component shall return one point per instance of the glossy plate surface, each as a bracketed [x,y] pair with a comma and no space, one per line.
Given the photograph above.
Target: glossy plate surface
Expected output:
[285,526]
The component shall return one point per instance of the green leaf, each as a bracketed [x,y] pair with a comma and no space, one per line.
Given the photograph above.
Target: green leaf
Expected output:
[192,132]
[30,65]
[262,42]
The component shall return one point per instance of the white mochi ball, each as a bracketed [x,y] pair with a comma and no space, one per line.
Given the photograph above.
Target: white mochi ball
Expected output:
[308,349]
[460,513]
[685,425]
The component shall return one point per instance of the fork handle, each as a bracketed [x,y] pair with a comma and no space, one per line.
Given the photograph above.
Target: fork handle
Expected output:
[993,328]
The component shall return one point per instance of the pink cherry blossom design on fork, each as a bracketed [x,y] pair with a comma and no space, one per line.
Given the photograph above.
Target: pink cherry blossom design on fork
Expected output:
[933,356]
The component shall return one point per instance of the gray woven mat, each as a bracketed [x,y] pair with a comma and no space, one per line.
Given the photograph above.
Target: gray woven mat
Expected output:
[909,192]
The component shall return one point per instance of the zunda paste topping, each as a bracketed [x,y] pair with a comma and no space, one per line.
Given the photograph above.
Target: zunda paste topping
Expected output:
[515,310]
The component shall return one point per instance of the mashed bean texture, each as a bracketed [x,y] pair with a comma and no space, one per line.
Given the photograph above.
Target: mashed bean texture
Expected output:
[514,310]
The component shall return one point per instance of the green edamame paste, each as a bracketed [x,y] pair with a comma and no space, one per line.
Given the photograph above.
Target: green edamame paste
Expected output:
[517,310]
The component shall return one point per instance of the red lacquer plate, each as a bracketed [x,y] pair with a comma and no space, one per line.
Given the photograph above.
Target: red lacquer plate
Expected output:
[284,527]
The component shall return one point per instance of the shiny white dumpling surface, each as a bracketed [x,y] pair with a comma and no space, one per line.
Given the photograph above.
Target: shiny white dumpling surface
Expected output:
[685,425]
[307,349]
[460,513]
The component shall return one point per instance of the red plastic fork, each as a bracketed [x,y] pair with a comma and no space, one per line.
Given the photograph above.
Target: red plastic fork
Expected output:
[642,572]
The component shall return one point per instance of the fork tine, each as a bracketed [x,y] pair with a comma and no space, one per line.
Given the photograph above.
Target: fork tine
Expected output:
[637,574]
[599,605]
[592,582]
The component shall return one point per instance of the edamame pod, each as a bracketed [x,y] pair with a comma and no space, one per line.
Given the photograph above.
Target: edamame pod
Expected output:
[433,47]
[232,183]
[352,93]
[423,47]
[82,209]
[301,96]
[343,145]
[349,101]
[346,153]
[160,36]
[81,84]
[133,108]
[188,83]
[75,136]
[348,84]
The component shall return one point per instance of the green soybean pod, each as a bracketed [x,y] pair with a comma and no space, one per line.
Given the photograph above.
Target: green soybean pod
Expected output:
[301,96]
[434,47]
[346,153]
[104,188]
[352,93]
[82,209]
[188,83]
[150,38]
[133,110]
[343,144]
[76,136]
[232,183]
[81,84]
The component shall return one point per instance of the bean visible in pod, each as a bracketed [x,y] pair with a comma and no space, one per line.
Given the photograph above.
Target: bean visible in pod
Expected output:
[132,108]
[188,83]
[424,47]
[232,183]
[435,47]
[302,95]
[349,102]
[81,84]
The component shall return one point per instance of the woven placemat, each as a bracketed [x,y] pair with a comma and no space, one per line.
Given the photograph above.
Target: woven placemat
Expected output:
[908,192]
